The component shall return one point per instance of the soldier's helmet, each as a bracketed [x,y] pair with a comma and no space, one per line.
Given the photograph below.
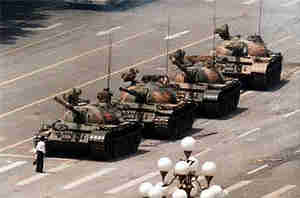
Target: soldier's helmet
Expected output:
[76,91]
[223,32]
[104,96]
[130,75]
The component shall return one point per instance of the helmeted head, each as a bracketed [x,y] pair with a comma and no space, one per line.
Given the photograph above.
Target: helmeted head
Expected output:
[223,32]
[104,96]
[130,75]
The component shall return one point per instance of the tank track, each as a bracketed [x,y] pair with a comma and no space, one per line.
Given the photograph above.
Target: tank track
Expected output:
[117,143]
[265,81]
[173,127]
[220,103]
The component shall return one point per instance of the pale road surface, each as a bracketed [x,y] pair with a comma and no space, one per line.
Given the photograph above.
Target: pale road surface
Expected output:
[48,48]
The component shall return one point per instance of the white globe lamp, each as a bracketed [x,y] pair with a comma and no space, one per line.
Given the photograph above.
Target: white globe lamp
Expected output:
[179,194]
[145,188]
[164,165]
[155,192]
[209,169]
[188,145]
[181,168]
[164,189]
[207,194]
[217,191]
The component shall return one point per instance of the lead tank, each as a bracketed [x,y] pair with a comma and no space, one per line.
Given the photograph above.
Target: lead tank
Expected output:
[97,129]
[249,60]
[215,95]
[157,107]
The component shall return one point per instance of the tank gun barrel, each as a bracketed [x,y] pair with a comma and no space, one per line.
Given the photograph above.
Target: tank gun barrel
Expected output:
[70,108]
[139,97]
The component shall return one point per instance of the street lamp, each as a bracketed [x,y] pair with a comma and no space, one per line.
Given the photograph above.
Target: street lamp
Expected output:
[185,173]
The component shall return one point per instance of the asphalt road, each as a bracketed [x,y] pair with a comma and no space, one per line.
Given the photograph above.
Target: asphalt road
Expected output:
[47,49]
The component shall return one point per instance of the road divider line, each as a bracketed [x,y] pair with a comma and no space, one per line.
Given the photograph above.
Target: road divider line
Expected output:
[101,33]
[203,152]
[16,144]
[132,183]
[43,28]
[281,40]
[11,166]
[40,41]
[279,192]
[258,169]
[37,177]
[72,59]
[238,185]
[297,151]
[176,35]
[291,113]
[88,178]
[246,93]
[248,133]
[290,3]
[249,2]
[100,78]
[30,157]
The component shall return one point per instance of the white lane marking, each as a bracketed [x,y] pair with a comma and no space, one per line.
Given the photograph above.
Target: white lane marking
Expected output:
[258,169]
[71,59]
[249,2]
[203,152]
[30,157]
[279,192]
[291,113]
[101,33]
[16,144]
[176,35]
[281,40]
[125,68]
[132,183]
[40,41]
[40,176]
[248,133]
[247,93]
[290,3]
[11,166]
[238,185]
[297,151]
[88,178]
[43,28]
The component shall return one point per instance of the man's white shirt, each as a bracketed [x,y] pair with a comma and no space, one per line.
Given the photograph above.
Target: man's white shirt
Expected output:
[40,147]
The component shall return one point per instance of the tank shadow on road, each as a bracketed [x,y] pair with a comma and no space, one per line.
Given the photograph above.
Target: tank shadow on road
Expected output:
[16,17]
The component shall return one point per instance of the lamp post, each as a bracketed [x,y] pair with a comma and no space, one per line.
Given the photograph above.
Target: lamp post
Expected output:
[185,172]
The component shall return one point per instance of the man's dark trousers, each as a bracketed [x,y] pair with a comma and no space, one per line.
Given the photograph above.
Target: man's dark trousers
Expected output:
[39,162]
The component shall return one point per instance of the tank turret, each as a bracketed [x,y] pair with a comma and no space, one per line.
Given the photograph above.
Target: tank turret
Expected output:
[98,129]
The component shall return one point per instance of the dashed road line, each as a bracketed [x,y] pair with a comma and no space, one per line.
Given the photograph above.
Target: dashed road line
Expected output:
[72,59]
[176,35]
[291,113]
[37,177]
[238,185]
[297,151]
[88,178]
[203,152]
[249,2]
[43,28]
[11,166]
[16,144]
[101,78]
[279,192]
[258,169]
[102,33]
[40,41]
[132,183]
[290,3]
[248,133]
[281,40]
[30,157]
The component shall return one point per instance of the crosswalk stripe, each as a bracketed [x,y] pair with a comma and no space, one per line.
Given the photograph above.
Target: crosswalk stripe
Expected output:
[249,2]
[132,183]
[11,166]
[88,178]
[280,191]
[290,3]
[40,176]
[238,185]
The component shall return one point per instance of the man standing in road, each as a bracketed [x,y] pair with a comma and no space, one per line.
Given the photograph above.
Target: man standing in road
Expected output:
[40,151]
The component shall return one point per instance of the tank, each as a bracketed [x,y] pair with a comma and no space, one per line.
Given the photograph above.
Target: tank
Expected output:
[95,129]
[157,107]
[215,95]
[249,60]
